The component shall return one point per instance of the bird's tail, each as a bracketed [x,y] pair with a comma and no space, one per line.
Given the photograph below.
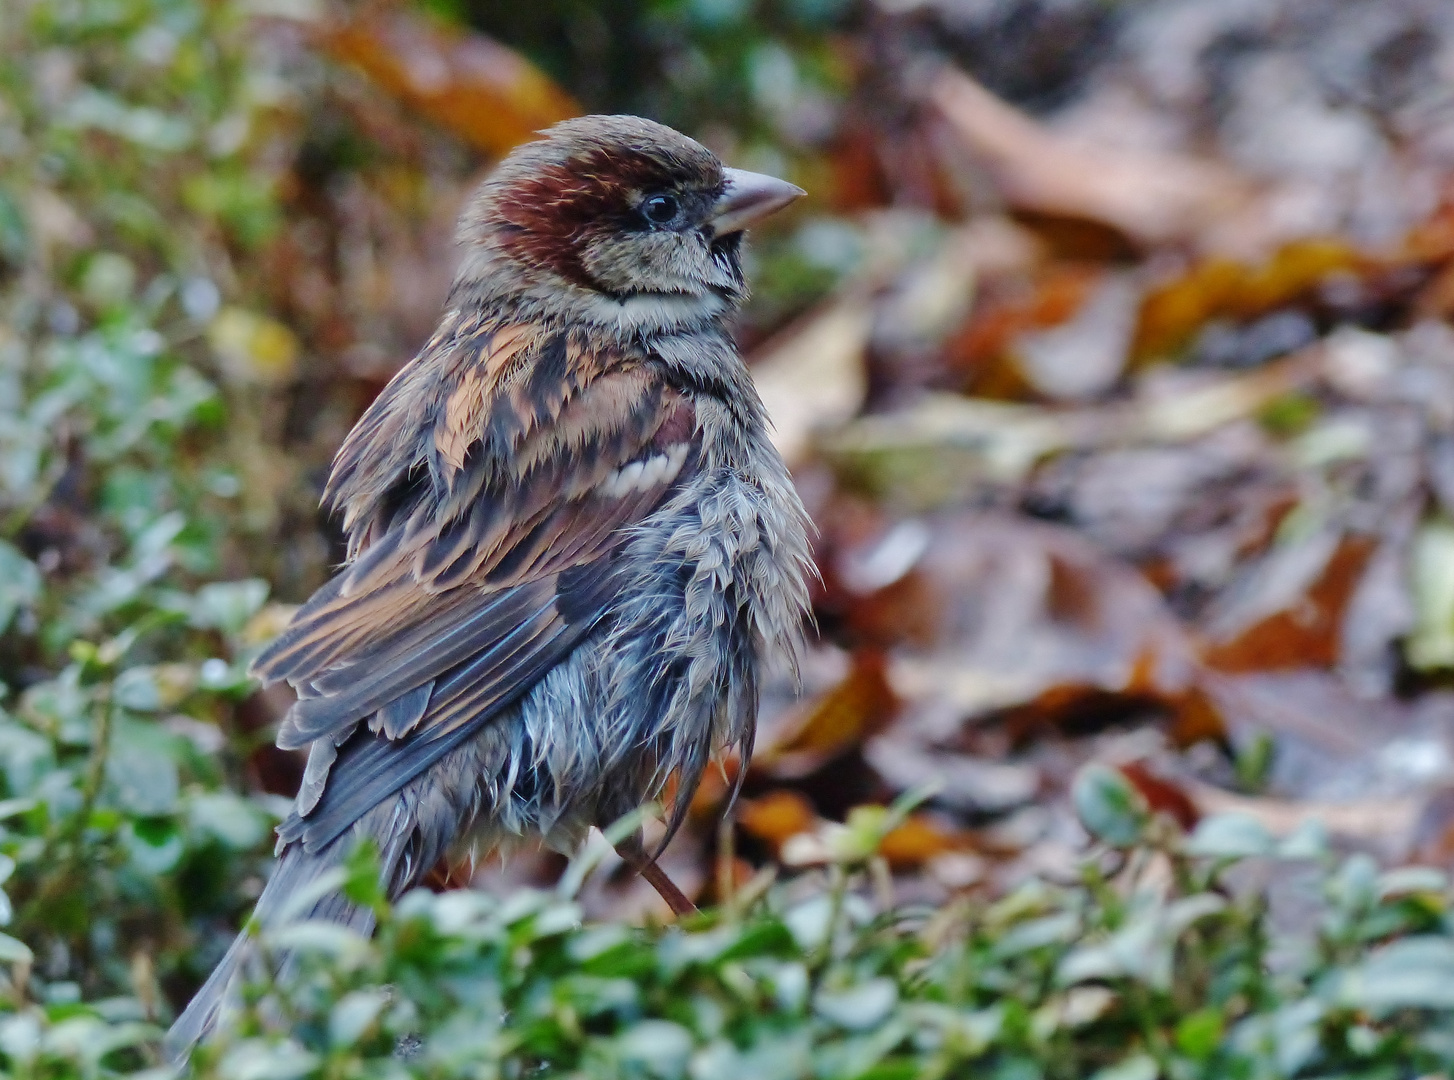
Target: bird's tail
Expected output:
[411,830]
[294,874]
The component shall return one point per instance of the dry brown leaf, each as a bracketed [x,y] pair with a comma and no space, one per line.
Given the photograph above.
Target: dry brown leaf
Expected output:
[981,351]
[1384,821]
[1309,706]
[1218,287]
[1304,632]
[1432,240]
[1434,832]
[968,783]
[812,376]
[1192,412]
[487,94]
[1195,717]
[1155,199]
[1162,795]
[1078,707]
[1084,357]
[854,710]
[858,180]
[1036,627]
[945,447]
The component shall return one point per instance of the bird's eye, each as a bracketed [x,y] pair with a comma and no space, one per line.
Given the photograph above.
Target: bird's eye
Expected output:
[659,209]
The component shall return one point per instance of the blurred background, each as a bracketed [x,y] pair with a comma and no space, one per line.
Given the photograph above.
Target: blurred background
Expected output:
[1111,352]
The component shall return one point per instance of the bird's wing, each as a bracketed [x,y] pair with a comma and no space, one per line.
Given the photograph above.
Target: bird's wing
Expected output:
[435,628]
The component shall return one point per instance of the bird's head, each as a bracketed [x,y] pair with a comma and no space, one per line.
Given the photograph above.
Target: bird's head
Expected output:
[618,221]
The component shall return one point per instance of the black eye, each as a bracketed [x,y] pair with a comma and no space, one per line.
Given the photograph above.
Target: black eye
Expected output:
[659,209]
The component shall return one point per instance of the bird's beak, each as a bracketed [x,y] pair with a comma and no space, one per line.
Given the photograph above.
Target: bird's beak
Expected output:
[748,197]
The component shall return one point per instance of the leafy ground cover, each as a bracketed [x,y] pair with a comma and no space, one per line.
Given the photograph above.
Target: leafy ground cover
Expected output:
[1144,962]
[127,836]
[1112,355]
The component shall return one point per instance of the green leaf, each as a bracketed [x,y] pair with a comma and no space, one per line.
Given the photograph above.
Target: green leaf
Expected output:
[142,779]
[317,936]
[1230,836]
[299,903]
[149,128]
[1110,808]
[14,234]
[1414,973]
[354,1014]
[1135,1067]
[361,867]
[156,853]
[14,951]
[811,922]
[858,1008]
[262,1059]
[227,605]
[658,1046]
[1199,1034]
[20,583]
[137,689]
[1409,879]
[1039,933]
[1431,645]
[236,822]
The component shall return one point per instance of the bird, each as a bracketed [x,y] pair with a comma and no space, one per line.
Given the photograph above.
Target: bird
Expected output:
[571,544]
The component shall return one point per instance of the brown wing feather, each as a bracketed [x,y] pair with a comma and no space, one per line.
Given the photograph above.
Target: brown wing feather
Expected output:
[434,595]
[369,770]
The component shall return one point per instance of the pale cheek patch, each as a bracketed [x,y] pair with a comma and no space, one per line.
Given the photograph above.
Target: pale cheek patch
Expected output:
[644,475]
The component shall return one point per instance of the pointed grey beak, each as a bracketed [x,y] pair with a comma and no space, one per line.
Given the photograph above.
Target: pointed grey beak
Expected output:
[748,197]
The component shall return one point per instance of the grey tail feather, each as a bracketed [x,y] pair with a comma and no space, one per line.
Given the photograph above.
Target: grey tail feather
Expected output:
[294,871]
[201,1013]
[408,847]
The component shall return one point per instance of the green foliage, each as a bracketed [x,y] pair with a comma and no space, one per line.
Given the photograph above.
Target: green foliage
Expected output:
[761,69]
[1158,969]
[122,644]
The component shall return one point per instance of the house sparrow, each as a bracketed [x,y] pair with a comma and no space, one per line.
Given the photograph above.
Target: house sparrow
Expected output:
[570,542]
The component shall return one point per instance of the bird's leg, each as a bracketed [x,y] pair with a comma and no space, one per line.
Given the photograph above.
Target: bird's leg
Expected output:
[674,897]
[634,852]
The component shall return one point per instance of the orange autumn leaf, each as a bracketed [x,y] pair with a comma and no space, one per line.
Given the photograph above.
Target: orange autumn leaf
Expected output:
[779,814]
[1432,240]
[487,94]
[1436,299]
[858,707]
[1196,718]
[918,840]
[1217,287]
[1077,707]
[1173,312]
[1306,634]
[981,351]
